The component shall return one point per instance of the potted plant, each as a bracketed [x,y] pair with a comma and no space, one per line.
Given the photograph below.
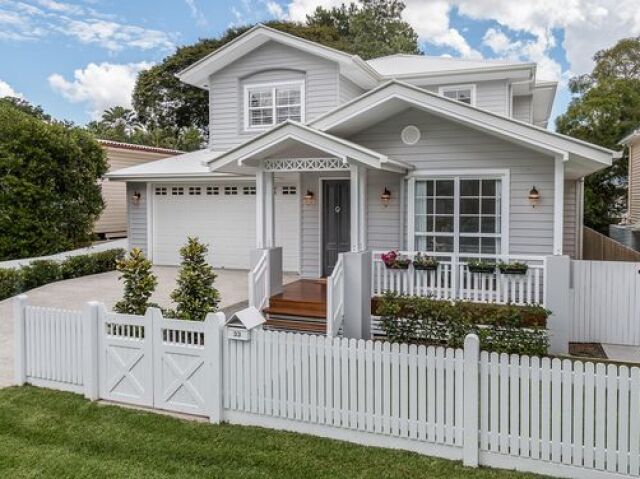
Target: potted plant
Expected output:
[394,260]
[513,268]
[481,266]
[425,263]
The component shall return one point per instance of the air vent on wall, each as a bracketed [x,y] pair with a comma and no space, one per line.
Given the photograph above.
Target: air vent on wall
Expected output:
[410,135]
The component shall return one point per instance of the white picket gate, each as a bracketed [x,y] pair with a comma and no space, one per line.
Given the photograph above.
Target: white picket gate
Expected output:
[606,302]
[550,416]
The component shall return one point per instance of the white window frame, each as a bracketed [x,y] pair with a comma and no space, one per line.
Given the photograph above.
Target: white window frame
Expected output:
[273,86]
[483,174]
[469,86]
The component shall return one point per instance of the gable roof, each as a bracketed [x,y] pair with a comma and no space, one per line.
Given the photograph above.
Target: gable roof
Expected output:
[351,66]
[239,158]
[395,96]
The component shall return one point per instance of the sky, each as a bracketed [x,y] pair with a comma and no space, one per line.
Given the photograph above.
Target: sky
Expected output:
[77,58]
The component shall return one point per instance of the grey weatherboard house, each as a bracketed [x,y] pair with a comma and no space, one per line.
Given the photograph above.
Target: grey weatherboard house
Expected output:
[314,152]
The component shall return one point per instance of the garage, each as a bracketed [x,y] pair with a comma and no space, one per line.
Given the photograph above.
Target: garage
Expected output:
[221,214]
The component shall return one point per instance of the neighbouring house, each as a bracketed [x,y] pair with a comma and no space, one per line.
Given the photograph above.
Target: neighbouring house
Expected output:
[319,152]
[629,233]
[112,223]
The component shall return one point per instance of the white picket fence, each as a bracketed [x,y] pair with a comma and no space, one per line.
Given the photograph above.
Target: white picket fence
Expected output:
[453,280]
[605,301]
[551,416]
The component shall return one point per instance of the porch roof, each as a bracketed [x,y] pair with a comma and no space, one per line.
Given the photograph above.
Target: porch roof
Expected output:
[269,145]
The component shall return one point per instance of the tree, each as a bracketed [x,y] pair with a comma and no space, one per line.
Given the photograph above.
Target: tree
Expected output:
[121,118]
[371,28]
[139,283]
[49,192]
[195,295]
[606,107]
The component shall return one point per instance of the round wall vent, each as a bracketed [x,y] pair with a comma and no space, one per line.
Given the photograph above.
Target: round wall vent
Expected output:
[410,135]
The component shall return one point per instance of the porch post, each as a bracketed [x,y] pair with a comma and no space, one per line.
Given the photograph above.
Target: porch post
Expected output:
[265,237]
[260,243]
[558,204]
[358,193]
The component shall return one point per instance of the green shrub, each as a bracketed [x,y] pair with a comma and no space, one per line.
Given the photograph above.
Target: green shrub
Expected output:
[139,283]
[40,272]
[10,283]
[92,263]
[501,328]
[195,295]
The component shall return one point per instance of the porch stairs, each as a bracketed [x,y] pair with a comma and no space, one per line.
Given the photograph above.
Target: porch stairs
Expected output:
[301,307]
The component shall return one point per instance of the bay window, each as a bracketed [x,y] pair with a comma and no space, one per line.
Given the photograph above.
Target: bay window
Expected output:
[268,105]
[458,214]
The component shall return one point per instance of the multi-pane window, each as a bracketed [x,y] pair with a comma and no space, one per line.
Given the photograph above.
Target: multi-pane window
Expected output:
[230,190]
[213,190]
[269,105]
[463,94]
[249,190]
[458,215]
[195,190]
[288,190]
[161,191]
[177,190]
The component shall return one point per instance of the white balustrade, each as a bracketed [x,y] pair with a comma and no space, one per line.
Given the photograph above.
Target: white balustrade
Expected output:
[259,286]
[335,298]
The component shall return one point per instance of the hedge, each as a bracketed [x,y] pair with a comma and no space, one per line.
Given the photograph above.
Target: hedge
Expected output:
[501,328]
[41,272]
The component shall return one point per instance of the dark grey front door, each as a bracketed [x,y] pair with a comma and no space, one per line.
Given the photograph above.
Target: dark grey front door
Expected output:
[336,222]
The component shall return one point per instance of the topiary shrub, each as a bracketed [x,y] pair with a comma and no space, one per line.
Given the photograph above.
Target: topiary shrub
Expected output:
[195,295]
[139,283]
[40,272]
[501,328]
[10,283]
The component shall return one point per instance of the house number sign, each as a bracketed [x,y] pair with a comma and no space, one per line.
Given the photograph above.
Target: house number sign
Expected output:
[238,334]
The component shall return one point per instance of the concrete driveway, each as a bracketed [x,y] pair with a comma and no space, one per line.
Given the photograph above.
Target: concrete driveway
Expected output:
[74,293]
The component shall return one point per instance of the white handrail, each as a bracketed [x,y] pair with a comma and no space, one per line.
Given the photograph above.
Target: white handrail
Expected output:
[259,287]
[453,280]
[335,298]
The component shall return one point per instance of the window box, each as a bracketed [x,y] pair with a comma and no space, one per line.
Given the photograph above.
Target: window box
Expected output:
[482,267]
[425,263]
[513,268]
[393,260]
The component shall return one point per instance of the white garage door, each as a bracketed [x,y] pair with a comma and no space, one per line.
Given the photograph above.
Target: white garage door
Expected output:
[222,215]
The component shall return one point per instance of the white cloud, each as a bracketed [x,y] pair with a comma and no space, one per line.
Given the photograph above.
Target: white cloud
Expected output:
[197,15]
[275,9]
[7,90]
[27,21]
[99,86]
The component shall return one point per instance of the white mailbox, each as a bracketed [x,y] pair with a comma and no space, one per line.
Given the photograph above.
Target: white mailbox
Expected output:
[241,323]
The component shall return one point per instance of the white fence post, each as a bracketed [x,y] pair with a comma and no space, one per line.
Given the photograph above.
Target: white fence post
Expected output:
[213,343]
[471,400]
[20,365]
[90,348]
[558,300]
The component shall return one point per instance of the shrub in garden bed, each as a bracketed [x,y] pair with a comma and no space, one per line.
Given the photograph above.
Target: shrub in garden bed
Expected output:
[41,272]
[501,328]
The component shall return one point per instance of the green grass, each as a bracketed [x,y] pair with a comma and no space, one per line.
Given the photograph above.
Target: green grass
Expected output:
[52,434]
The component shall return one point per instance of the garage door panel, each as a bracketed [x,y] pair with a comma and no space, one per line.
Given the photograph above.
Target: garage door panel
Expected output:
[225,222]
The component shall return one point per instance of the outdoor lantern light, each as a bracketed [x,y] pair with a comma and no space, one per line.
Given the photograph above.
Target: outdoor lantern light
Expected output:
[534,196]
[136,197]
[385,197]
[308,198]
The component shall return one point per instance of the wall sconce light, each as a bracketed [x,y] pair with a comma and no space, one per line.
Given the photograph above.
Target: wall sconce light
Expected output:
[385,197]
[534,196]
[309,198]
[136,197]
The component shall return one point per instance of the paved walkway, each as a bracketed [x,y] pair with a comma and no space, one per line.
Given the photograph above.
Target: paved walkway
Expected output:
[74,293]
[617,352]
[96,247]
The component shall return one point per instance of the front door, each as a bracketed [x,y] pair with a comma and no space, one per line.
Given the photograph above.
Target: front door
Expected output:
[336,220]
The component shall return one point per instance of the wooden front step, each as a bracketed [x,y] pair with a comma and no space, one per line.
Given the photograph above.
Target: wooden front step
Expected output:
[297,324]
[302,306]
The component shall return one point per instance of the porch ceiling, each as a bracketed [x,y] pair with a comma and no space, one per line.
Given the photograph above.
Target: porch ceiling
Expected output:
[294,141]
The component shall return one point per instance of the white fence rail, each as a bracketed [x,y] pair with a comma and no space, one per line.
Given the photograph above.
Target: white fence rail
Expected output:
[453,280]
[606,302]
[259,287]
[551,416]
[335,298]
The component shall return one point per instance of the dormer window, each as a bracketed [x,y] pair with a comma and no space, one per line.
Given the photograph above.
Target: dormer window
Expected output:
[268,105]
[462,93]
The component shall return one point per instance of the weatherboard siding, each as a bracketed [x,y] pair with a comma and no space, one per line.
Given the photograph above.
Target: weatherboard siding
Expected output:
[522,108]
[137,217]
[634,182]
[490,95]
[446,145]
[569,242]
[348,90]
[269,63]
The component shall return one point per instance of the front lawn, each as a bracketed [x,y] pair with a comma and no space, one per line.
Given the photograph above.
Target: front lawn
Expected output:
[52,434]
